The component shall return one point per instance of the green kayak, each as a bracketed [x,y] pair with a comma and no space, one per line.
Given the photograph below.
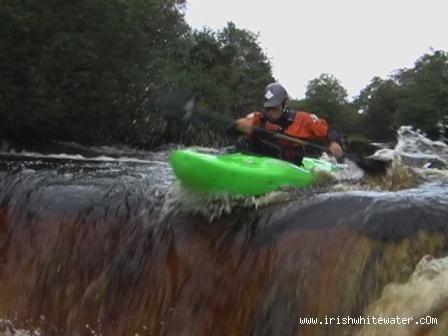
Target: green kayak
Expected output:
[241,174]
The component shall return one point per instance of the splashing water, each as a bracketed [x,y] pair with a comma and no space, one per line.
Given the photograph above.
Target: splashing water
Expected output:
[114,246]
[422,301]
[414,149]
[415,160]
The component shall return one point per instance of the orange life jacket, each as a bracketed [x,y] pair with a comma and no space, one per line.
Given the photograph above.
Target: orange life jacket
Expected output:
[301,125]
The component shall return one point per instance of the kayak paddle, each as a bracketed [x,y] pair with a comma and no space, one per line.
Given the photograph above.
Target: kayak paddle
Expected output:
[182,107]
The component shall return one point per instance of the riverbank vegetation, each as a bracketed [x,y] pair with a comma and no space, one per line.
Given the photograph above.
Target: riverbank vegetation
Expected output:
[90,71]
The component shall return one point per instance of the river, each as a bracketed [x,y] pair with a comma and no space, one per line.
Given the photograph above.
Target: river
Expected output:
[108,243]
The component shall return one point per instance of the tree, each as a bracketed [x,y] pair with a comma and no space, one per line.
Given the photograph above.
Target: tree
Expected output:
[227,70]
[250,68]
[326,97]
[424,100]
[83,70]
[378,105]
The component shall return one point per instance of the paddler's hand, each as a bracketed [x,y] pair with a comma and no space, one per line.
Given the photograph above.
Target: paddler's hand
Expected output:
[336,150]
[244,126]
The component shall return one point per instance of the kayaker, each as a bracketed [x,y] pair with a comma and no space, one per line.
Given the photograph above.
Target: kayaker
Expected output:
[278,117]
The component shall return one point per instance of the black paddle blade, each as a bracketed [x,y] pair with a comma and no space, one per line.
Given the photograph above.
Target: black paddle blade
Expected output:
[177,106]
[368,165]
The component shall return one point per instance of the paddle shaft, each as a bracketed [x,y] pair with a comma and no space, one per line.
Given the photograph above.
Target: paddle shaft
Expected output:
[290,138]
[227,120]
[183,108]
[368,165]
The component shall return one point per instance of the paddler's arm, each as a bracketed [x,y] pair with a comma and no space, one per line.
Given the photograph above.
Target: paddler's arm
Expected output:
[310,127]
[335,143]
[242,126]
[336,150]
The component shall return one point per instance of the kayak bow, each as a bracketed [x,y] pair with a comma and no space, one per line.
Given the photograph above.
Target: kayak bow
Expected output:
[241,174]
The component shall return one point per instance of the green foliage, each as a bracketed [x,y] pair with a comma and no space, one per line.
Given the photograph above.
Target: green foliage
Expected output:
[416,96]
[89,71]
[82,70]
[378,104]
[424,93]
[226,69]
[326,97]
[298,105]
